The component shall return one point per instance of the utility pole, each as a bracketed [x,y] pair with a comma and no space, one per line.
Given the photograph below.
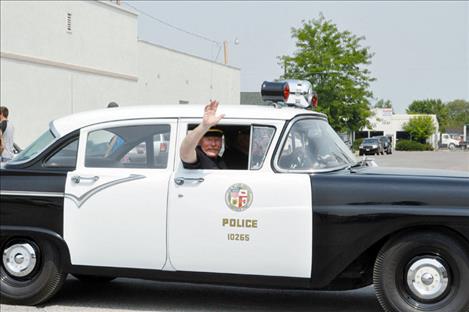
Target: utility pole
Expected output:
[225,50]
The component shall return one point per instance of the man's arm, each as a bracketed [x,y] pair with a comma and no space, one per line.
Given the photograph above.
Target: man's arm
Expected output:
[188,145]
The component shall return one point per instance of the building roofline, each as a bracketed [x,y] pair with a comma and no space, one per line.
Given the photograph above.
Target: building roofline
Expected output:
[187,54]
[114,6]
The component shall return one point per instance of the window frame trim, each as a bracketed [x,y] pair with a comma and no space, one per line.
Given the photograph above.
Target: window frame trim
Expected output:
[62,145]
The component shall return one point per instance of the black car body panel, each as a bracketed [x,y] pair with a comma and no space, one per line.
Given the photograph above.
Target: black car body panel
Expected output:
[33,198]
[354,211]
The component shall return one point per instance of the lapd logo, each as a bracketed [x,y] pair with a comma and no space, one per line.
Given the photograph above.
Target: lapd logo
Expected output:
[238,197]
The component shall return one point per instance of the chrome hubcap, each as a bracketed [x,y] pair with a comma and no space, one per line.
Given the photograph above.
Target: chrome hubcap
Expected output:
[427,278]
[19,259]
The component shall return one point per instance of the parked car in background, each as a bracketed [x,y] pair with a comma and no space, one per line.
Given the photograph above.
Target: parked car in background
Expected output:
[371,146]
[385,142]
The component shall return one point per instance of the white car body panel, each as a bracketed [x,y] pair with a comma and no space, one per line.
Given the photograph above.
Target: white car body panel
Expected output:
[67,124]
[132,231]
[281,245]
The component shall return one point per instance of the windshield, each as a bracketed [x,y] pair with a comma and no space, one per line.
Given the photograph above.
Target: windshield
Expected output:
[370,141]
[312,144]
[36,147]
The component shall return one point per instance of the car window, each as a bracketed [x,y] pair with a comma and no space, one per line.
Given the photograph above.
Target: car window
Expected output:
[370,141]
[312,144]
[66,157]
[36,147]
[143,146]
[244,147]
[260,142]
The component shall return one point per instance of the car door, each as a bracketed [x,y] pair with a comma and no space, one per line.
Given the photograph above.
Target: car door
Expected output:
[115,199]
[253,221]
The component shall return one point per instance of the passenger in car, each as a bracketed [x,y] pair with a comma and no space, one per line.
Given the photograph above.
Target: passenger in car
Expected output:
[201,146]
[236,154]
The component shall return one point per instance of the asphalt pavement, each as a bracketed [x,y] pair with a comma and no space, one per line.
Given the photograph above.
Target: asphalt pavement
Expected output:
[442,159]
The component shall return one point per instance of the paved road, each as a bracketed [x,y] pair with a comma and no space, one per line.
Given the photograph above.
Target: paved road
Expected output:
[137,295]
[443,159]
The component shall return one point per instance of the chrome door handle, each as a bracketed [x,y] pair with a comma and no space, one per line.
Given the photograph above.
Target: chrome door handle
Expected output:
[181,180]
[78,179]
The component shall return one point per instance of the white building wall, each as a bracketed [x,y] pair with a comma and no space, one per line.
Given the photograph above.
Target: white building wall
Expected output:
[168,77]
[48,72]
[384,120]
[102,35]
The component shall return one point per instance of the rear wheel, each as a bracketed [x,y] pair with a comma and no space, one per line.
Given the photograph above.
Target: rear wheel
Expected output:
[30,273]
[451,146]
[422,272]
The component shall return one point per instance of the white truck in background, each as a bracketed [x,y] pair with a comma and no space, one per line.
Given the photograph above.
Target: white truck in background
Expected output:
[453,142]
[448,141]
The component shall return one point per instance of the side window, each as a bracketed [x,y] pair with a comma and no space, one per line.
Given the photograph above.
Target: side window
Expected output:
[66,157]
[294,151]
[244,146]
[312,144]
[143,146]
[260,142]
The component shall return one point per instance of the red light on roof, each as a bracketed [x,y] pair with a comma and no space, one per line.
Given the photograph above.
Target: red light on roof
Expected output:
[286,92]
[314,101]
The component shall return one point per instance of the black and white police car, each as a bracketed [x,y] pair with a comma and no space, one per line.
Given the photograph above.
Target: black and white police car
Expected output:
[301,212]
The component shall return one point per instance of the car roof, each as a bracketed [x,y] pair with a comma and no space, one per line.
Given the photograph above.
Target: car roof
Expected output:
[67,124]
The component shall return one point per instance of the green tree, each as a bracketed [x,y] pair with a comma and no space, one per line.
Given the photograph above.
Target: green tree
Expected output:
[335,63]
[420,128]
[431,106]
[383,104]
[458,114]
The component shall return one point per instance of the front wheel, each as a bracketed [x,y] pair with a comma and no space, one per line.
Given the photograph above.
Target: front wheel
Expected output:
[422,272]
[452,147]
[30,273]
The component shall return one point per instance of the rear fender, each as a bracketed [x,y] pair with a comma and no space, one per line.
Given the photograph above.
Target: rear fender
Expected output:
[37,234]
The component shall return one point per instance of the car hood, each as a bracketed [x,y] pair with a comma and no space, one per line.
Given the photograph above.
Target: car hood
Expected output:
[395,171]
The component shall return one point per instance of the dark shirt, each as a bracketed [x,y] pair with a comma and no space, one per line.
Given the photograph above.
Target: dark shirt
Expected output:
[205,162]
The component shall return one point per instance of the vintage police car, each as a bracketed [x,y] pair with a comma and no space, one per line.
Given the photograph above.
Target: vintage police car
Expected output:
[301,212]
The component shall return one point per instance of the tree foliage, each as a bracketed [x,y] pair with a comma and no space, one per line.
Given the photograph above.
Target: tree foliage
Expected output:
[431,106]
[420,128]
[458,114]
[335,63]
[383,104]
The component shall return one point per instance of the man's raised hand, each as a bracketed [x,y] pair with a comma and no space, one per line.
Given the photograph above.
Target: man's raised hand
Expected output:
[210,118]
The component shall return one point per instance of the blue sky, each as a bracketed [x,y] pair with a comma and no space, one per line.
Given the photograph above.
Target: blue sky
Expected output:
[421,48]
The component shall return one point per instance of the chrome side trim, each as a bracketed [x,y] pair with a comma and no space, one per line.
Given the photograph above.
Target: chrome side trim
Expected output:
[79,201]
[28,193]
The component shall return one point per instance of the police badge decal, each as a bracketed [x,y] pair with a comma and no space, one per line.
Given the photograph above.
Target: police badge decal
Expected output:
[238,197]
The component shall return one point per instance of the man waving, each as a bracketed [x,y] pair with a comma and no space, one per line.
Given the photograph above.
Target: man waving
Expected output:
[200,147]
